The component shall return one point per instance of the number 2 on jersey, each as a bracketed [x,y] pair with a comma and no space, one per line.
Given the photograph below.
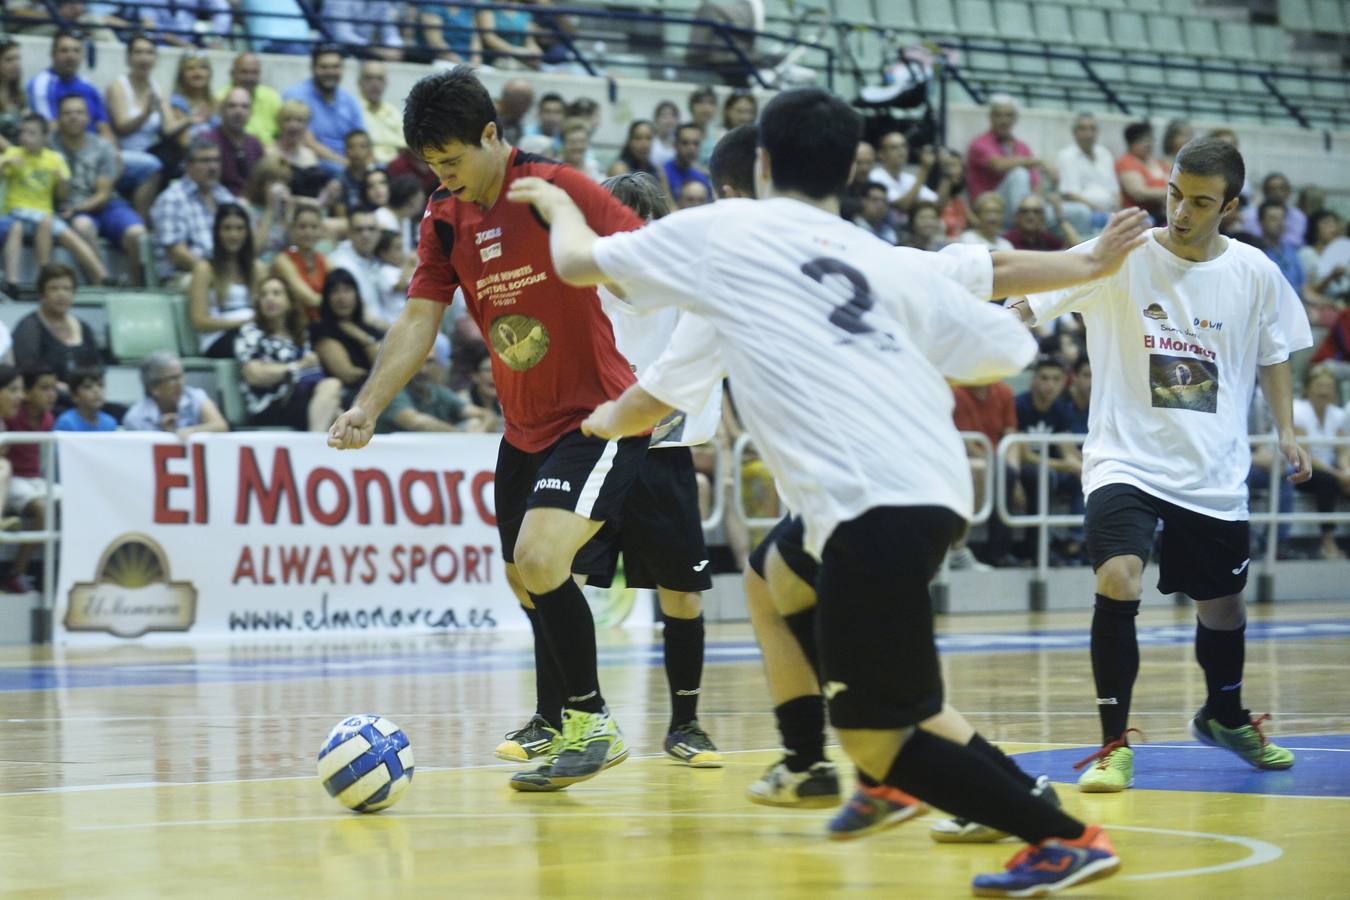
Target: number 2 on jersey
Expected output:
[849,315]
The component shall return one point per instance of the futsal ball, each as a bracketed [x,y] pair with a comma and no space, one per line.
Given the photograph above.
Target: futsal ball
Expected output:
[366,763]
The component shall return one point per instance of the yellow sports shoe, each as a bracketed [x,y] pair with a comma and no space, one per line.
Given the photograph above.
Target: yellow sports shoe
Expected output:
[536,739]
[1114,769]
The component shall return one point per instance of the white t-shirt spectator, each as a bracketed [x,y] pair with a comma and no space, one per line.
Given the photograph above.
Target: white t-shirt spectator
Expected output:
[840,354]
[1334,425]
[899,187]
[1092,178]
[1175,347]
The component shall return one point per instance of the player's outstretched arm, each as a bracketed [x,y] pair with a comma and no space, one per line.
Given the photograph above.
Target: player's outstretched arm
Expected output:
[402,352]
[1034,271]
[634,412]
[570,238]
[1277,383]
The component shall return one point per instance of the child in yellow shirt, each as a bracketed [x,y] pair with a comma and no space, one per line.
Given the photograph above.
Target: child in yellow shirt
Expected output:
[36,178]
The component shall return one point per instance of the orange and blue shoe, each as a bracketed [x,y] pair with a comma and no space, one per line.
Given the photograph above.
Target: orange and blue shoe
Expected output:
[1051,866]
[873,809]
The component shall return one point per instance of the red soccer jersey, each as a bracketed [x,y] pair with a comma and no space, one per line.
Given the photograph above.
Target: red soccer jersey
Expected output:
[553,353]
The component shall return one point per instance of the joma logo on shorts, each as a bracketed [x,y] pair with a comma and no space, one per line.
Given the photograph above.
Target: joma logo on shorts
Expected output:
[553,484]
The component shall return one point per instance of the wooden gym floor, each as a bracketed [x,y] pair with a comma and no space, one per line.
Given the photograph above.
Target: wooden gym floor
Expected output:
[189,772]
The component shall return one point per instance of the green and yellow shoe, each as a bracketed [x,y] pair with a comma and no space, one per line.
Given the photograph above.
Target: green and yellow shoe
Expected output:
[1114,769]
[591,742]
[1246,741]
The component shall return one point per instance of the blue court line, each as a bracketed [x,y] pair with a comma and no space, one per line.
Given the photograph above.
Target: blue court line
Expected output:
[290,664]
[1321,768]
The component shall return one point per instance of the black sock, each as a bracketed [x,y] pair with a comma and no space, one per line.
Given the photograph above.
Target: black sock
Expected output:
[965,784]
[1221,654]
[567,623]
[801,722]
[867,780]
[803,627]
[1115,662]
[548,687]
[1005,762]
[684,666]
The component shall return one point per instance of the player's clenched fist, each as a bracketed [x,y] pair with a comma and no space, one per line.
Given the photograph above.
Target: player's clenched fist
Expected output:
[352,430]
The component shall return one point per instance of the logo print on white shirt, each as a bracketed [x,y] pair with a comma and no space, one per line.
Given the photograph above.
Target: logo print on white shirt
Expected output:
[1155,311]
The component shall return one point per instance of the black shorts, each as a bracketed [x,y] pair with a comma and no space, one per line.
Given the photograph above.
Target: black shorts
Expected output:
[1202,557]
[874,616]
[789,536]
[585,475]
[659,532]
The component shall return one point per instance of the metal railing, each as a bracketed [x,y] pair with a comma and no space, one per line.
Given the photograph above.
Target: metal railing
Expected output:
[46,535]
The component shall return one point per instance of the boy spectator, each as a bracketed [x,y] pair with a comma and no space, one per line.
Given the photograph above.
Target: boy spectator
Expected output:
[265,102]
[170,405]
[185,213]
[358,149]
[384,123]
[239,150]
[91,206]
[1043,409]
[876,213]
[86,390]
[46,89]
[903,189]
[549,120]
[333,111]
[688,139]
[27,487]
[36,178]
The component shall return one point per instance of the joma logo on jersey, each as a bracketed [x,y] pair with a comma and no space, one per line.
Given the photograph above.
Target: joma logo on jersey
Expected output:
[491,251]
[553,484]
[1207,325]
[488,235]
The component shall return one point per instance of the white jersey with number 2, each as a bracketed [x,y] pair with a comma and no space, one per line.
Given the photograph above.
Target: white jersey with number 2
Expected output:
[839,349]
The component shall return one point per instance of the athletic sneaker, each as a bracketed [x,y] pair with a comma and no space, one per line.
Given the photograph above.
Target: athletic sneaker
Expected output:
[1114,770]
[817,787]
[690,744]
[963,558]
[1247,741]
[967,831]
[531,742]
[590,742]
[1051,866]
[873,809]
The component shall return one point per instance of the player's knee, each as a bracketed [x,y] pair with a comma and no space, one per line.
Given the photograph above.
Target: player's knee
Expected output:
[517,586]
[790,594]
[680,604]
[541,566]
[1222,613]
[1120,578]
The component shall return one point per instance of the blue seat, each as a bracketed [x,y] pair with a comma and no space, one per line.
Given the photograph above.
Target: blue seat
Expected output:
[975,18]
[859,12]
[1165,34]
[935,15]
[1090,26]
[1128,31]
[1201,37]
[896,14]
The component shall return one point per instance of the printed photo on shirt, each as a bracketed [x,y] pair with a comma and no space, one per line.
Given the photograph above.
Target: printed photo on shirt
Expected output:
[1182,382]
[520,341]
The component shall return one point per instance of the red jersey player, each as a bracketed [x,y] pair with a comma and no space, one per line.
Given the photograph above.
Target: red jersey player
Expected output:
[553,360]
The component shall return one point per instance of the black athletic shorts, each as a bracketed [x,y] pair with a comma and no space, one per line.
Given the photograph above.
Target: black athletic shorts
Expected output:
[1202,557]
[659,531]
[585,475]
[789,536]
[874,616]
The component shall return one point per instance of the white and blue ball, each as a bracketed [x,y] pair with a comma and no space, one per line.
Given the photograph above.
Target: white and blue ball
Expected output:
[366,763]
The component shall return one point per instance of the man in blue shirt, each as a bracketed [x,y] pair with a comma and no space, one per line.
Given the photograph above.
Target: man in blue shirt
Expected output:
[334,112]
[1282,251]
[684,167]
[86,389]
[1045,410]
[46,89]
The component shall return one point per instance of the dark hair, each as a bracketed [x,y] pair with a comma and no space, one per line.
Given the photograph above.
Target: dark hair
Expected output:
[1174,128]
[811,137]
[733,159]
[1315,222]
[355,132]
[338,278]
[243,260]
[640,192]
[403,188]
[447,106]
[365,185]
[140,36]
[1050,361]
[34,118]
[1211,156]
[1136,130]
[705,92]
[873,186]
[62,102]
[665,104]
[323,50]
[72,33]
[32,373]
[360,209]
[552,97]
[581,107]
[935,175]
[688,126]
[735,97]
[81,374]
[1265,181]
[8,374]
[924,204]
[54,272]
[1268,204]
[1081,363]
